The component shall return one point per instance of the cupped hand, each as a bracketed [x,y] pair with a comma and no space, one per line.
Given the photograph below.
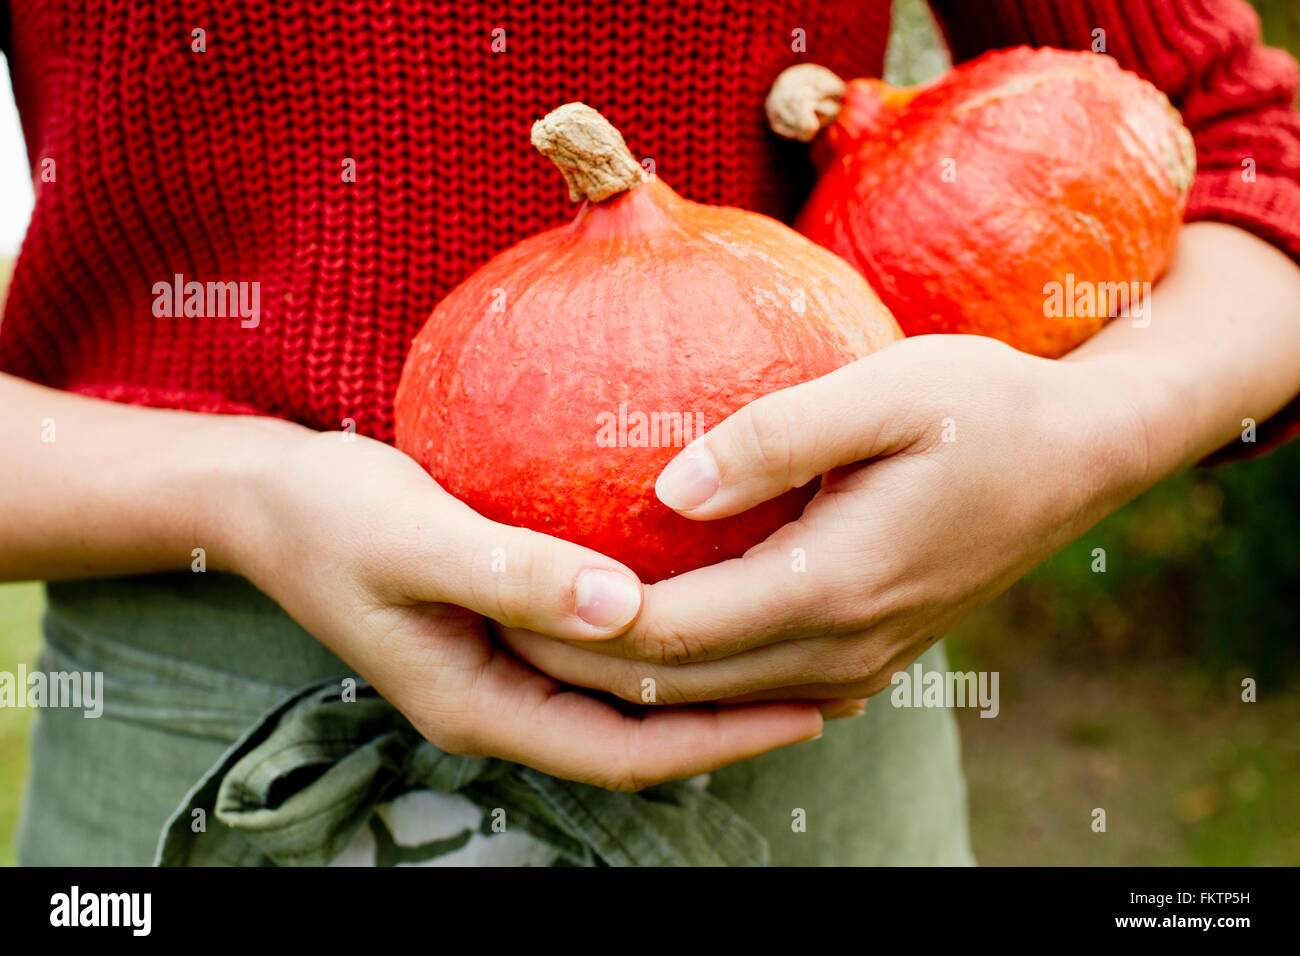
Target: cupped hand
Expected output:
[395,576]
[951,464]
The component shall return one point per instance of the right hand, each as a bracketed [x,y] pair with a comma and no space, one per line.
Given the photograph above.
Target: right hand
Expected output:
[393,574]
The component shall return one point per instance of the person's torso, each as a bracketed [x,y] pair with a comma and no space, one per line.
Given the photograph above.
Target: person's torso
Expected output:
[354,162]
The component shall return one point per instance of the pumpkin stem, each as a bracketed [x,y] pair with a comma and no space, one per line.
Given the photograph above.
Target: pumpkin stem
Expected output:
[589,151]
[804,99]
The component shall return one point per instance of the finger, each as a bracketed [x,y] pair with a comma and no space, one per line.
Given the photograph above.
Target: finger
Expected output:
[750,602]
[821,669]
[836,709]
[834,700]
[527,719]
[833,571]
[520,578]
[787,438]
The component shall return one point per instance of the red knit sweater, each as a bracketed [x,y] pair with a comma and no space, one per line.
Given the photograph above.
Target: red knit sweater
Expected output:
[153,159]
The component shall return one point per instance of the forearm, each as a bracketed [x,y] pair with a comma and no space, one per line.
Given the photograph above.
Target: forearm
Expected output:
[92,488]
[1223,345]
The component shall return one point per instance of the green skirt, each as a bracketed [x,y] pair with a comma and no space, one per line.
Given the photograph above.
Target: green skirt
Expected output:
[223,739]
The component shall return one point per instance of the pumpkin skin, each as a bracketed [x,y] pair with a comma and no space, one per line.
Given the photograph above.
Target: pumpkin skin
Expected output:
[1065,166]
[646,299]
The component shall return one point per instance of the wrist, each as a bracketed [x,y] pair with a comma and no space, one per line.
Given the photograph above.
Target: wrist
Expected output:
[1142,416]
[1113,429]
[1219,347]
[242,458]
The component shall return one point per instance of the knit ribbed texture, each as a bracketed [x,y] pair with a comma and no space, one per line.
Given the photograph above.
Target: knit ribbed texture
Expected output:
[227,165]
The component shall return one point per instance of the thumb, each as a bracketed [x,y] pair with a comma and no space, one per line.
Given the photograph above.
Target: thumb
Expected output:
[784,440]
[522,578]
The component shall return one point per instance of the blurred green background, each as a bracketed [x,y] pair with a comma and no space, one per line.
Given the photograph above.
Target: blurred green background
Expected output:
[1123,690]
[1119,690]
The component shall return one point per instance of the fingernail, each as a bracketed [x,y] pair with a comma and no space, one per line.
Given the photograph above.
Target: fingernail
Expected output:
[607,599]
[690,479]
[837,709]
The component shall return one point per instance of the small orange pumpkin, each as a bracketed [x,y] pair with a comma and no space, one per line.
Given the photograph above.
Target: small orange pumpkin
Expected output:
[1026,195]
[552,386]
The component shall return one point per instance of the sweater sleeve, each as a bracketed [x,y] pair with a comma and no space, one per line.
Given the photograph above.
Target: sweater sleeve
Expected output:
[1235,94]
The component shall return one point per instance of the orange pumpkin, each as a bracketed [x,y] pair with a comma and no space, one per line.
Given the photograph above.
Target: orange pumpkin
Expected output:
[552,386]
[1027,195]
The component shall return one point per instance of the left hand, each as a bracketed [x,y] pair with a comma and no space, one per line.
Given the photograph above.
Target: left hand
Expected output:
[953,464]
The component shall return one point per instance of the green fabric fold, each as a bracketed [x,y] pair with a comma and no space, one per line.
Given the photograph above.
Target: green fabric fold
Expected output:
[298,785]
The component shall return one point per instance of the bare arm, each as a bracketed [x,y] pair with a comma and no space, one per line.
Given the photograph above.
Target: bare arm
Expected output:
[1223,345]
[94,488]
[372,557]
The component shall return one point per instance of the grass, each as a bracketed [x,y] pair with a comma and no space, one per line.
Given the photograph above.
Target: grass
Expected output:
[20,610]
[1123,691]
[1186,773]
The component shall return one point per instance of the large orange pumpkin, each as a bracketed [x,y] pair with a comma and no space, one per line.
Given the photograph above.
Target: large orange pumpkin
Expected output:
[551,387]
[1026,195]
